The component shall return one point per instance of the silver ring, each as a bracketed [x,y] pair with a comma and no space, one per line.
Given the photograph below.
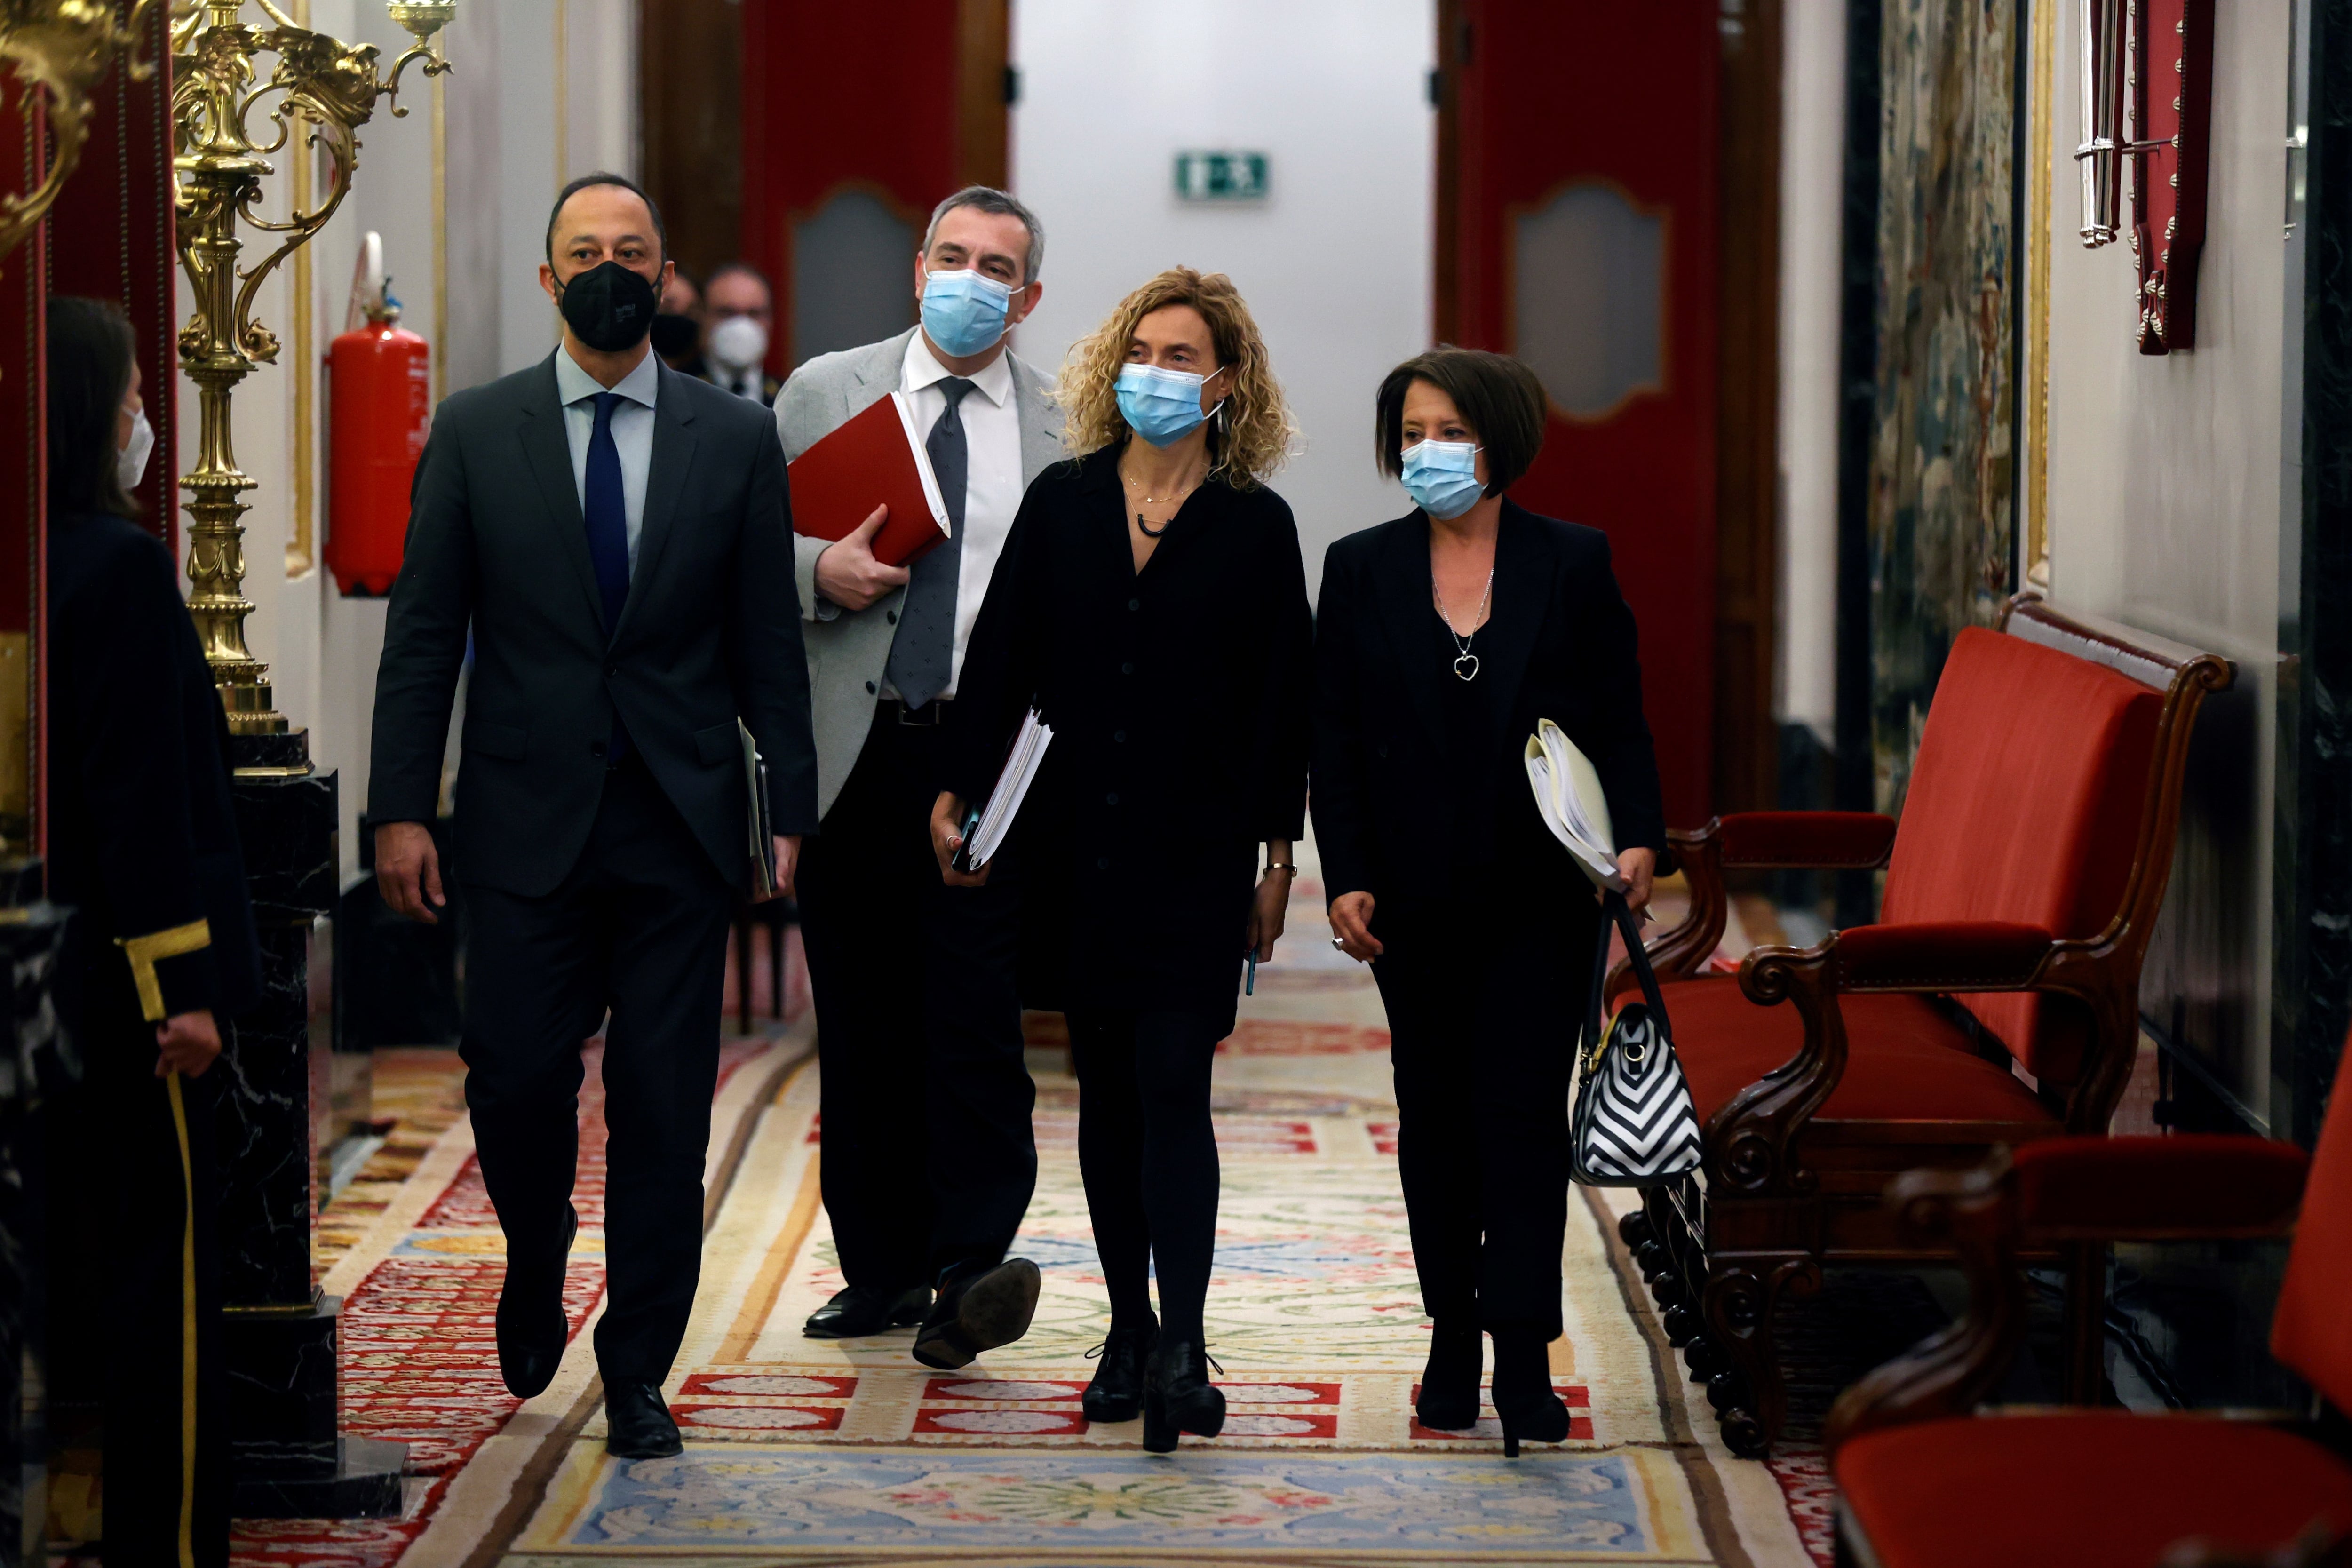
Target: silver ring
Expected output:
[1337,944]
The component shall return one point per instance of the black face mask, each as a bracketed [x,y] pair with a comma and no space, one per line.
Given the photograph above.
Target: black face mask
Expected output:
[609,307]
[674,335]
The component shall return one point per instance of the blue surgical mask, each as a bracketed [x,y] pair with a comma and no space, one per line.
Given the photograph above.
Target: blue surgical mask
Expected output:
[1161,406]
[1443,477]
[963,313]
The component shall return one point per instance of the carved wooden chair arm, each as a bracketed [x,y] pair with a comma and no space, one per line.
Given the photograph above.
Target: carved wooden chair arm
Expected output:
[1752,840]
[2187,1187]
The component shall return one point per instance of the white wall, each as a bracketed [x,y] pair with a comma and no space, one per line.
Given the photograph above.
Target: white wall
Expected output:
[1812,155]
[2165,492]
[1335,264]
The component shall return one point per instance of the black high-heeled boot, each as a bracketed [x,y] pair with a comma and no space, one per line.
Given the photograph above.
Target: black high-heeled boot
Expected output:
[1179,1397]
[1449,1383]
[1523,1393]
[1117,1391]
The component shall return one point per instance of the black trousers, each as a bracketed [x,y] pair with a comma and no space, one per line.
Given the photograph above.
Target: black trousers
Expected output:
[1484,1001]
[924,1101]
[638,928]
[1148,1156]
[127,1170]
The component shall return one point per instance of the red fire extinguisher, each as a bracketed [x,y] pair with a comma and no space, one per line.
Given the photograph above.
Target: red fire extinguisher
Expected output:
[380,405]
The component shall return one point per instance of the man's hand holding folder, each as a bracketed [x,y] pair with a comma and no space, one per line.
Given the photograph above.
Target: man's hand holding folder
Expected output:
[849,572]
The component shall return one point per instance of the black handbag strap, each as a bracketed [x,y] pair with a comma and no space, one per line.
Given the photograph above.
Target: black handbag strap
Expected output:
[1617,916]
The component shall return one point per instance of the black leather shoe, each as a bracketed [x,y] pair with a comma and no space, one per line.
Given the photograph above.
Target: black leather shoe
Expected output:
[864,1309]
[1179,1397]
[638,1424]
[1117,1391]
[1449,1383]
[978,1312]
[532,1328]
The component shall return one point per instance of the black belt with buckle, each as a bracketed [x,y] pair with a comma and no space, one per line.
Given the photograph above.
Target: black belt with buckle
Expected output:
[930,716]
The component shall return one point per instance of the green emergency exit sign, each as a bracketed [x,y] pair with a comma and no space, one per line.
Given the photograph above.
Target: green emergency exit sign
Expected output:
[1221,176]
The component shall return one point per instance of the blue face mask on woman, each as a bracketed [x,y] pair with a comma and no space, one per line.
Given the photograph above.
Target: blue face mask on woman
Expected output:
[1442,477]
[963,313]
[1161,406]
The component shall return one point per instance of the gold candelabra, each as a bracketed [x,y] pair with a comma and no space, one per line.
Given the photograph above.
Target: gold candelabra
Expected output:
[323,92]
[60,48]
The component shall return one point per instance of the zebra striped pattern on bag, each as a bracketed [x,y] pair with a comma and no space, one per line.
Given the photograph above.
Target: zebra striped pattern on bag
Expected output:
[1635,1122]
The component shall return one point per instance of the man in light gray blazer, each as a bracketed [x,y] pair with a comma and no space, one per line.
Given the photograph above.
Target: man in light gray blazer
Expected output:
[929,1160]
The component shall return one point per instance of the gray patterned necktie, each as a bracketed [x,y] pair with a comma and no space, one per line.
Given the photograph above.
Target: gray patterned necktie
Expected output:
[922,654]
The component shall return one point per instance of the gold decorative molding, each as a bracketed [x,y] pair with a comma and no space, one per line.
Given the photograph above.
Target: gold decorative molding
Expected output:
[2041,62]
[302,537]
[318,92]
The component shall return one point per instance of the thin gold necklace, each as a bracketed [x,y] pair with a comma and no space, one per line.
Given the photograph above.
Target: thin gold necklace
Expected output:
[1149,531]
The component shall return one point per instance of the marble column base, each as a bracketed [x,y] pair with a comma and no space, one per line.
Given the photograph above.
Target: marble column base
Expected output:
[35,1060]
[363,1482]
[282,1411]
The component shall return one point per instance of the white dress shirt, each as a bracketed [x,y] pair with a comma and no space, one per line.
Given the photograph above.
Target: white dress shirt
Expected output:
[991,433]
[633,431]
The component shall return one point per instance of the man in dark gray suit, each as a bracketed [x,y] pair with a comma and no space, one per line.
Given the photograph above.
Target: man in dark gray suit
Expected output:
[929,1160]
[617,539]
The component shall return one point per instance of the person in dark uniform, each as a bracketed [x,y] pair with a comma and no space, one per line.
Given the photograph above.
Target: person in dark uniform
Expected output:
[159,952]
[1441,639]
[1151,603]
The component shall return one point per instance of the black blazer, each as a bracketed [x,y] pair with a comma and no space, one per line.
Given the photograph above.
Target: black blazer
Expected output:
[711,632]
[1560,645]
[142,837]
[1178,702]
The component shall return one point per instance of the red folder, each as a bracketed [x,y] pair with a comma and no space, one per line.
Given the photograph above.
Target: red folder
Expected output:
[873,461]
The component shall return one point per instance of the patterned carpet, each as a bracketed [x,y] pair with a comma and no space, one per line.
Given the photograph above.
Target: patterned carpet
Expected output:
[805,1452]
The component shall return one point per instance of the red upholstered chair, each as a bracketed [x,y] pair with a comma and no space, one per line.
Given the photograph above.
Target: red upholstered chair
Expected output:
[2022,884]
[1922,1484]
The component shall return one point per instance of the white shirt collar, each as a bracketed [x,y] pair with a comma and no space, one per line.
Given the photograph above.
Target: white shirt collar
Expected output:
[573,384]
[994,380]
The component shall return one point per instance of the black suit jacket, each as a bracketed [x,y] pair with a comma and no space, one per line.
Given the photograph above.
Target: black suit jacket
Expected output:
[711,632]
[142,837]
[1561,645]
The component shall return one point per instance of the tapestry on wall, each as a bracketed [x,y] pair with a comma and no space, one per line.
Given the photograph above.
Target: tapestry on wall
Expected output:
[1944,437]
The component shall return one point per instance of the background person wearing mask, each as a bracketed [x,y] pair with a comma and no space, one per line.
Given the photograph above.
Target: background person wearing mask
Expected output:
[617,538]
[1152,605]
[678,324]
[740,311]
[1441,639]
[928,1158]
[159,952]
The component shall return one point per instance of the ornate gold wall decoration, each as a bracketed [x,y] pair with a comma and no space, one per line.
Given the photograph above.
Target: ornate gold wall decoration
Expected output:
[318,93]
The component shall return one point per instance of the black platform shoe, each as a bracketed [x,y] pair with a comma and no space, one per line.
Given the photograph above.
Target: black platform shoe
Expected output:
[1117,1391]
[532,1328]
[1449,1383]
[1179,1397]
[1523,1392]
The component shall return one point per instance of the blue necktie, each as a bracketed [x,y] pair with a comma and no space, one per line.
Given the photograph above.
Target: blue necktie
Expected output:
[606,508]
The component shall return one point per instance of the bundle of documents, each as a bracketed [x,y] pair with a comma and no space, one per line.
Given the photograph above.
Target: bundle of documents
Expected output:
[985,827]
[1568,796]
[875,459]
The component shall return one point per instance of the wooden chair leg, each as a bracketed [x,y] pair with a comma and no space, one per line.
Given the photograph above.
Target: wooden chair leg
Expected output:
[1750,1402]
[743,975]
[776,970]
[2086,1322]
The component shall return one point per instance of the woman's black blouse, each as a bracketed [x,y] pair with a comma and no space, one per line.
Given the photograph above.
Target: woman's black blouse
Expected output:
[1178,701]
[1421,786]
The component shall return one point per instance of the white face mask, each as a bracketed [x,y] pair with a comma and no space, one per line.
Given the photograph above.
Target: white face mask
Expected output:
[131,462]
[739,342]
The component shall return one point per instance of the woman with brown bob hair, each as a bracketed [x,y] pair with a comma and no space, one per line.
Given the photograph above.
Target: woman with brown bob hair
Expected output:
[1150,604]
[1444,636]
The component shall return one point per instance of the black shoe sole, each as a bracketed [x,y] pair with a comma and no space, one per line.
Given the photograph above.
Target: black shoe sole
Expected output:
[995,1310]
[670,1450]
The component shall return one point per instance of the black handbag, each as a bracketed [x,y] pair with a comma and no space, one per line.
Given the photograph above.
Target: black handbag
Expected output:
[1634,1125]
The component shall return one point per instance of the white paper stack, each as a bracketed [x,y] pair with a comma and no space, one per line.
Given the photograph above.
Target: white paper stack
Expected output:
[1568,796]
[987,837]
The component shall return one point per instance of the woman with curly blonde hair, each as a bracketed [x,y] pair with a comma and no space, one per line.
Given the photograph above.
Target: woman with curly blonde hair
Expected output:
[1150,604]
